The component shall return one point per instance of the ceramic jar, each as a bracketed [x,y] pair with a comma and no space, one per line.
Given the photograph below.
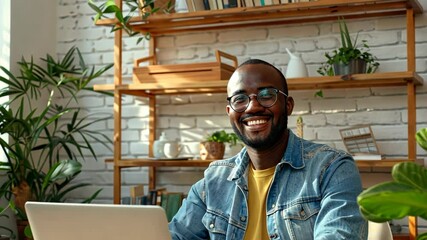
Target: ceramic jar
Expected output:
[166,148]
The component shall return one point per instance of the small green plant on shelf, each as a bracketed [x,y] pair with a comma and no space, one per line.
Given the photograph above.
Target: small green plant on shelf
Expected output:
[143,8]
[348,54]
[405,195]
[213,146]
[223,137]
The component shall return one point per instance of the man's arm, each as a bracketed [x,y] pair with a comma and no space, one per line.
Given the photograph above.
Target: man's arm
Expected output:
[187,223]
[339,216]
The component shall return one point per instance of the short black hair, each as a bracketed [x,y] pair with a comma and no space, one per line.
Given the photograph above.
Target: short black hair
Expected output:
[259,61]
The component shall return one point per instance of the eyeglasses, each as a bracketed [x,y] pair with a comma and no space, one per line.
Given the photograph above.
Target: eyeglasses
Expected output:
[266,97]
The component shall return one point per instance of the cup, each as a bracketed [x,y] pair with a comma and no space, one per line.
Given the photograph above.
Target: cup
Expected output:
[172,149]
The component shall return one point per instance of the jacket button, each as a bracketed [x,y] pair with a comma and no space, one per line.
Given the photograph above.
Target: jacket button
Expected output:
[302,213]
[273,236]
[243,218]
[212,225]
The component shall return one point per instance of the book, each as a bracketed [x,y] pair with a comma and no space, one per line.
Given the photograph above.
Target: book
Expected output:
[276,2]
[220,4]
[136,192]
[125,200]
[171,202]
[233,3]
[190,5]
[226,3]
[367,157]
[155,196]
[198,5]
[206,3]
[249,3]
[213,5]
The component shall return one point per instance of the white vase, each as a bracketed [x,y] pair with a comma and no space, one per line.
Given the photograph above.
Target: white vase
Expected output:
[296,66]
[181,6]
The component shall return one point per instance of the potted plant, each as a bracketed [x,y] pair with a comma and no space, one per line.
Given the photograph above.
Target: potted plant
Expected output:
[144,8]
[47,134]
[213,147]
[350,58]
[405,195]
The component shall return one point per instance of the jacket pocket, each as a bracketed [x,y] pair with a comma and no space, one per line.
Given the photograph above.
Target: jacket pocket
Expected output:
[297,221]
[216,225]
[301,211]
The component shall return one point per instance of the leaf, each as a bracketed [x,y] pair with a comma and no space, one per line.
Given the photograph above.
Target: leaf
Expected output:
[421,138]
[392,200]
[411,174]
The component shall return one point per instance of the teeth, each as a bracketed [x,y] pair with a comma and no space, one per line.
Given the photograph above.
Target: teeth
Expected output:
[250,123]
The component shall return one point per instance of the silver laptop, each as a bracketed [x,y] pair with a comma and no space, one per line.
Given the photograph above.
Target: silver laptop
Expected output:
[71,221]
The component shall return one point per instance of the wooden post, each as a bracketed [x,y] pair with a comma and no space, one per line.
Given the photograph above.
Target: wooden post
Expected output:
[412,122]
[117,139]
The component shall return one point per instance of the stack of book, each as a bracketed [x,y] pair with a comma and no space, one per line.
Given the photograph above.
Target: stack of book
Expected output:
[170,201]
[203,5]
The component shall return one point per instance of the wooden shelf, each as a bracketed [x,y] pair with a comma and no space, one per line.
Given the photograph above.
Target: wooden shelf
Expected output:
[141,162]
[134,162]
[322,82]
[316,11]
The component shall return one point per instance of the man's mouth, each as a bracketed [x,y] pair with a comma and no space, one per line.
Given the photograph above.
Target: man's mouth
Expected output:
[256,122]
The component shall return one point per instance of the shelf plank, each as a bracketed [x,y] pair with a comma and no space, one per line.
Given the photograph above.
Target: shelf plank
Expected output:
[316,11]
[323,82]
[141,162]
[134,162]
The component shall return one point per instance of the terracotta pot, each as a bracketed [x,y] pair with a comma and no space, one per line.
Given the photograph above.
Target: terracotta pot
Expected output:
[21,225]
[212,150]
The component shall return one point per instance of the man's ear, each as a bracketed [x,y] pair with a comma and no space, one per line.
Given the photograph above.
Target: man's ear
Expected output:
[227,109]
[289,105]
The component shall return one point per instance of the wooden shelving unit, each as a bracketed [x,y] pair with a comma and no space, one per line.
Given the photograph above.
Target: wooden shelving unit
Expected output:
[317,11]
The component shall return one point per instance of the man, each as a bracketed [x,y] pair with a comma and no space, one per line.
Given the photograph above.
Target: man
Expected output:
[279,186]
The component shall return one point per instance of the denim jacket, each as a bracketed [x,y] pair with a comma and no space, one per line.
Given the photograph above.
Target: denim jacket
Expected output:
[312,196]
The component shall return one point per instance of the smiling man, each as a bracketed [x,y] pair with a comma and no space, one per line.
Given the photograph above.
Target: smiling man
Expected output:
[279,186]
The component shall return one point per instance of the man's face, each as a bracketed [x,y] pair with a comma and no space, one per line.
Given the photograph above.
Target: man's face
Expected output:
[258,127]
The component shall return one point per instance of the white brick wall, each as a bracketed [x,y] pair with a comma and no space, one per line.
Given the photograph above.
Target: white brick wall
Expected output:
[190,117]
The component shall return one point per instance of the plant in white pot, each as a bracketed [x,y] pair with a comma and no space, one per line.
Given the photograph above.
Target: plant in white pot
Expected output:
[350,58]
[405,195]
[48,136]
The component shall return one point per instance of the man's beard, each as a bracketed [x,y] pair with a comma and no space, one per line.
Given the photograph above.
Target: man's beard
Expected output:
[276,132]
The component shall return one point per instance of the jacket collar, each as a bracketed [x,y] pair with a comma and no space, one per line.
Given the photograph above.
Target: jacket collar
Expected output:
[293,156]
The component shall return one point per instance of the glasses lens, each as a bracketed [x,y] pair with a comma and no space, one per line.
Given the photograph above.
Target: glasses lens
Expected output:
[239,102]
[267,97]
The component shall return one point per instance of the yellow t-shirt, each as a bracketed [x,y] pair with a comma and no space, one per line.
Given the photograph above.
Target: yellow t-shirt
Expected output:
[258,183]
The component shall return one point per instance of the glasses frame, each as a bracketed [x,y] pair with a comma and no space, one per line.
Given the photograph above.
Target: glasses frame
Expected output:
[255,95]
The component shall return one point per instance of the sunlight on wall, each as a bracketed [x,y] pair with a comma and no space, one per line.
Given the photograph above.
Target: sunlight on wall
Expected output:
[4,50]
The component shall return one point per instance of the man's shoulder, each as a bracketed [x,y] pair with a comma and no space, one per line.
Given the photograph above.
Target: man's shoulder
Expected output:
[313,149]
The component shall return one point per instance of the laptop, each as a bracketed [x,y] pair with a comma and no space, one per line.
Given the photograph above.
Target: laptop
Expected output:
[71,221]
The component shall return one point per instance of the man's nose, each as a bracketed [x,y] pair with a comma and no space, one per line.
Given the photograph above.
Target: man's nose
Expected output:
[254,105]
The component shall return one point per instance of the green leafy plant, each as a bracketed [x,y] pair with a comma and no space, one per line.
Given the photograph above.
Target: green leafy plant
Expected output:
[405,195]
[47,135]
[143,8]
[11,234]
[223,137]
[348,51]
